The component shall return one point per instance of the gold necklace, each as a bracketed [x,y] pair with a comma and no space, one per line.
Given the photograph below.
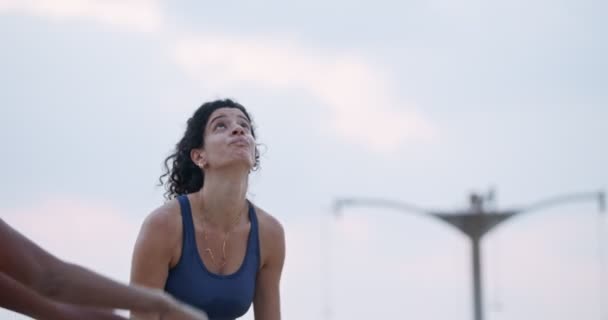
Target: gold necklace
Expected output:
[226,234]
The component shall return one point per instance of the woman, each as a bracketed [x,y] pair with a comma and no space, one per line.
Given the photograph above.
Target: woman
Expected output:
[35,283]
[209,246]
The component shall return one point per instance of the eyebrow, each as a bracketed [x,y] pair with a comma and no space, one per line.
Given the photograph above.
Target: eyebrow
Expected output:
[216,118]
[225,116]
[244,118]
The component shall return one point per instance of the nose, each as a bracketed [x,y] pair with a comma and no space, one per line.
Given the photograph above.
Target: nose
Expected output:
[238,130]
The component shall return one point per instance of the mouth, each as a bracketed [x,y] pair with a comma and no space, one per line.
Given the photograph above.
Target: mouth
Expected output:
[241,142]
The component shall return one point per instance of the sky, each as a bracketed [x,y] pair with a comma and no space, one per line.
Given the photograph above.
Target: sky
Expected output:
[421,102]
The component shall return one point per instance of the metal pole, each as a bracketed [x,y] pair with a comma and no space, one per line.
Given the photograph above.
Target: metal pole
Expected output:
[325,266]
[477,288]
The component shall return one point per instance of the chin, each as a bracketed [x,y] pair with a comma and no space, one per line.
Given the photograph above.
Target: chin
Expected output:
[240,163]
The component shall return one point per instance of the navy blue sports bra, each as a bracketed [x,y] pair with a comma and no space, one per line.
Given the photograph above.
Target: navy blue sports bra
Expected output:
[223,297]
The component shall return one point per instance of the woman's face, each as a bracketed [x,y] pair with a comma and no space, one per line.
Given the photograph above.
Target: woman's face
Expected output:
[228,140]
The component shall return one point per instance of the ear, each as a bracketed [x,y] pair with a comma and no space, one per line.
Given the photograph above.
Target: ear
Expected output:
[199,157]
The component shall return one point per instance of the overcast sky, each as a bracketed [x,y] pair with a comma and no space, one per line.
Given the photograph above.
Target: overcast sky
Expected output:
[414,101]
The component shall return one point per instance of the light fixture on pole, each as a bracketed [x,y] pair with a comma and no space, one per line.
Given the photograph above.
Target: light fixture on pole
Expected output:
[475,222]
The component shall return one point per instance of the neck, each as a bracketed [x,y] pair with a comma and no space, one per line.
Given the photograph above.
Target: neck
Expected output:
[222,198]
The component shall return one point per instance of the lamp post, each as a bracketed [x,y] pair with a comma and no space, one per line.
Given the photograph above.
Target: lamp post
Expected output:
[475,222]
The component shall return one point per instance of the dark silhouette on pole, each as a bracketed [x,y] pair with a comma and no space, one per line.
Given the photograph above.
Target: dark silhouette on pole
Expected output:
[474,222]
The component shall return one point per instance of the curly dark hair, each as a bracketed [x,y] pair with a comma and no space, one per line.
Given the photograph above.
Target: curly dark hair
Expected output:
[181,175]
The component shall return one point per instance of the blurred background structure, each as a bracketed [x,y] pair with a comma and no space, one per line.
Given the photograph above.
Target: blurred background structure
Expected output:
[416,99]
[476,221]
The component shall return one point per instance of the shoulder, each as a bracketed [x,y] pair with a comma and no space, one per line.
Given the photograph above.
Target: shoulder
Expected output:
[158,245]
[272,237]
[269,225]
[164,218]
[162,227]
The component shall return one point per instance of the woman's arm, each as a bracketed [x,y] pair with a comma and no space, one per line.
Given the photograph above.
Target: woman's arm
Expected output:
[25,262]
[267,301]
[155,246]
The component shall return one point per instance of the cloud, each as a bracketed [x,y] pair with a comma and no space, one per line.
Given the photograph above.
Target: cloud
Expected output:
[133,15]
[363,108]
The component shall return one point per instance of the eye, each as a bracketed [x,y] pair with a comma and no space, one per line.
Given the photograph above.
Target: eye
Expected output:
[245,125]
[219,125]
